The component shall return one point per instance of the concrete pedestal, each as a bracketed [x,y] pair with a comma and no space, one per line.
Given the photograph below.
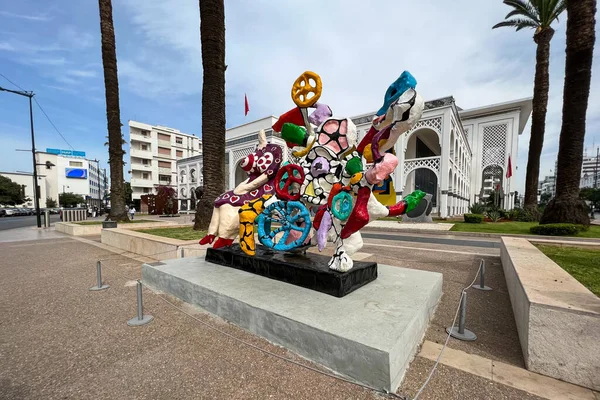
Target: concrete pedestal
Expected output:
[370,335]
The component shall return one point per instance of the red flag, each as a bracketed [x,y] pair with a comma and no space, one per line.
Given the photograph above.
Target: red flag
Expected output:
[246,106]
[509,169]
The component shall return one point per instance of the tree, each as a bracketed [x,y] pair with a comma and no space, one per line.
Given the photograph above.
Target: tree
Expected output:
[166,197]
[545,198]
[113,112]
[50,202]
[11,192]
[567,206]
[592,195]
[128,193]
[538,15]
[70,199]
[212,40]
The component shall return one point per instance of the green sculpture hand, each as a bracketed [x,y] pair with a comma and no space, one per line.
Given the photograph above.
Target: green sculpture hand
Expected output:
[413,199]
[295,134]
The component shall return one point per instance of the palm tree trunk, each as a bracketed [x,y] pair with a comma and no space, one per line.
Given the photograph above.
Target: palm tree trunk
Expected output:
[538,116]
[212,39]
[567,206]
[113,113]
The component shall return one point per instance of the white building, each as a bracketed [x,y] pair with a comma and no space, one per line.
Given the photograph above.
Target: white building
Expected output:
[153,152]
[590,171]
[456,155]
[25,180]
[72,173]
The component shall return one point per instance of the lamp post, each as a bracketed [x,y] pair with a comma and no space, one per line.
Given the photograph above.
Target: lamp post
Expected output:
[36,193]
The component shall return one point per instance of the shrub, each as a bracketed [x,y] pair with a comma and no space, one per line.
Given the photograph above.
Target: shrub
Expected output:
[473,218]
[557,229]
[513,215]
[527,215]
[477,209]
[494,215]
[503,213]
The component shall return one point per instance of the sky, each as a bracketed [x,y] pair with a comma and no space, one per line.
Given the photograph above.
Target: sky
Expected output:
[357,47]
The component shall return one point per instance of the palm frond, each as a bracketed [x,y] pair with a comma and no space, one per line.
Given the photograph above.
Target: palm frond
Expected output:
[558,9]
[518,23]
[520,12]
[527,8]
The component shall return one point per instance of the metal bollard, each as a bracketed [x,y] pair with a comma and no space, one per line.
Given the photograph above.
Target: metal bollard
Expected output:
[99,285]
[460,332]
[182,254]
[140,319]
[46,219]
[481,285]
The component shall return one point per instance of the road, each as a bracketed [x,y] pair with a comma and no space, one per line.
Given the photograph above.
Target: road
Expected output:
[21,222]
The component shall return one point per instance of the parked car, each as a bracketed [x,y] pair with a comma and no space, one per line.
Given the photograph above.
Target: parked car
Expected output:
[10,212]
[2,212]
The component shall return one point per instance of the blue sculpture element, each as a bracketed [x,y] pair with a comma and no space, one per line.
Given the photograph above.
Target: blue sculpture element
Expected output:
[293,216]
[341,206]
[402,84]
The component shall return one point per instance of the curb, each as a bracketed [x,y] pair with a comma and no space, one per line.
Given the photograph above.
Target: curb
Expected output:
[480,234]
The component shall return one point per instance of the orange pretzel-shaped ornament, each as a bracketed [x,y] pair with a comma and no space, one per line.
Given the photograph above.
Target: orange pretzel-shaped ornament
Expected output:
[302,88]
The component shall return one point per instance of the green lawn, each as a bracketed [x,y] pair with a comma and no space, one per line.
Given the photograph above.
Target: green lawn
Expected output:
[582,264]
[521,228]
[135,221]
[181,233]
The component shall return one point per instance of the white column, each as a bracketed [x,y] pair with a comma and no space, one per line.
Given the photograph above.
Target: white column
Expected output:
[398,174]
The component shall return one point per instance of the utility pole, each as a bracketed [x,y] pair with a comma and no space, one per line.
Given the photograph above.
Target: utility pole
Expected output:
[36,192]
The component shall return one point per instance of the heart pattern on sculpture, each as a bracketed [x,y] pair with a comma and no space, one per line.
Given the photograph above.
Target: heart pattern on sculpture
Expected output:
[268,188]
[254,192]
[234,199]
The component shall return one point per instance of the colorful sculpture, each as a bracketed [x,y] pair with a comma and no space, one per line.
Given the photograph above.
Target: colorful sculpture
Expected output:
[261,167]
[329,188]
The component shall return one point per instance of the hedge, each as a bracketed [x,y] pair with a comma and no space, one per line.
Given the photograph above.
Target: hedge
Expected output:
[473,218]
[557,229]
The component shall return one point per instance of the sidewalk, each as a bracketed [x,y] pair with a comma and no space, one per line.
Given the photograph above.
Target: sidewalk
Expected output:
[58,340]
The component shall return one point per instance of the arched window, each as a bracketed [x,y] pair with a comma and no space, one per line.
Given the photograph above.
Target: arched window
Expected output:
[193,175]
[182,176]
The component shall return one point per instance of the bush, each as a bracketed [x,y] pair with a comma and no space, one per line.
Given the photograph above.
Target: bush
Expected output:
[503,213]
[527,215]
[473,218]
[494,215]
[477,209]
[557,229]
[513,214]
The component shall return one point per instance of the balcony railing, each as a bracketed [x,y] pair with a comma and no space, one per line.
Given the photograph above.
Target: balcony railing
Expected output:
[141,167]
[139,182]
[140,153]
[140,138]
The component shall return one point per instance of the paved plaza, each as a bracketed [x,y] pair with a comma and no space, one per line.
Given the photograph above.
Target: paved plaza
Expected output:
[59,340]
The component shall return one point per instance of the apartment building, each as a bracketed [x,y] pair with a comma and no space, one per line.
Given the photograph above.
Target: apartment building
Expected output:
[153,154]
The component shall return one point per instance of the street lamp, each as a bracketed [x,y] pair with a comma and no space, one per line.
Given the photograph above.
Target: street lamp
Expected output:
[36,191]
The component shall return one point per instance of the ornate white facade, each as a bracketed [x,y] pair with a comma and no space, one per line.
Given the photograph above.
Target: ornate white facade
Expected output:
[456,155]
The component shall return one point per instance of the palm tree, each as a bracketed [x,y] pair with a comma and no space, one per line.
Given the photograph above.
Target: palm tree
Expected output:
[212,40]
[566,205]
[538,15]
[113,113]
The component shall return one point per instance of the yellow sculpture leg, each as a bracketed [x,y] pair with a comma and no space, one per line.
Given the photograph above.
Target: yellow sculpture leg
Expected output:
[248,214]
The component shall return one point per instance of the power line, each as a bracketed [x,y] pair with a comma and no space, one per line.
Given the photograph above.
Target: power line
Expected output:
[13,83]
[44,112]
[52,123]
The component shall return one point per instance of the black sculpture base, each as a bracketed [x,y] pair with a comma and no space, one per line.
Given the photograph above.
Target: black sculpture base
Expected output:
[309,271]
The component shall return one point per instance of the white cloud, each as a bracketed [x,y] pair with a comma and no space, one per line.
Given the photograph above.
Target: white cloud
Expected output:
[24,16]
[82,73]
